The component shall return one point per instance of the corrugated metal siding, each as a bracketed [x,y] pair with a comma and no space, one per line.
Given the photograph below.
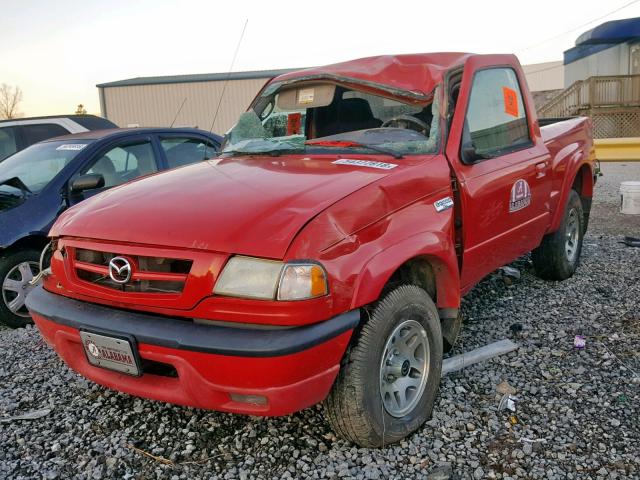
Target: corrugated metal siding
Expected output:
[157,105]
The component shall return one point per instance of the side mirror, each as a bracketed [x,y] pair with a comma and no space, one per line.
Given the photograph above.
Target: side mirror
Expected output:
[470,154]
[86,182]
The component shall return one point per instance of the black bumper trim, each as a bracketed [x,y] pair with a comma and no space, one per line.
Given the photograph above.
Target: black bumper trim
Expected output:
[186,335]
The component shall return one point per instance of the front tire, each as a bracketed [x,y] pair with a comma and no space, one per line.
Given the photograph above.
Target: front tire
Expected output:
[387,385]
[558,255]
[17,268]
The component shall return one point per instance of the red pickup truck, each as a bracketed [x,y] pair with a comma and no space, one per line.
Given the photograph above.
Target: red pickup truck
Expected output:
[323,255]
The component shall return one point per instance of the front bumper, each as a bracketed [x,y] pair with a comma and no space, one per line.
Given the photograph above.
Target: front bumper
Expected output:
[291,368]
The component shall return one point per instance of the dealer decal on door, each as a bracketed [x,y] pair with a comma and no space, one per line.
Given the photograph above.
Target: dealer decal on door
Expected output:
[520,196]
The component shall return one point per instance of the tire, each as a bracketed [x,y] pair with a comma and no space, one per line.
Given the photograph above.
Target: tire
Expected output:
[355,407]
[558,255]
[14,277]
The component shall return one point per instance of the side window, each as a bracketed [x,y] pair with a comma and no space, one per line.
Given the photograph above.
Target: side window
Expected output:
[8,144]
[36,133]
[496,120]
[124,163]
[183,151]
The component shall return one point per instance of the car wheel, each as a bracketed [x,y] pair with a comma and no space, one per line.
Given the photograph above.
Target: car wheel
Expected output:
[390,375]
[558,255]
[17,269]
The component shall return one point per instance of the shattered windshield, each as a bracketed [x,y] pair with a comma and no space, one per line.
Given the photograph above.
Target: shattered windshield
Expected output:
[322,117]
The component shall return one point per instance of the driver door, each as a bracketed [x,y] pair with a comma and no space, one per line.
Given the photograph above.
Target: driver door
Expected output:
[501,164]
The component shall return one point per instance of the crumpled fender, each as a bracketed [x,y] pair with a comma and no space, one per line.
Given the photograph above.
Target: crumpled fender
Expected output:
[435,247]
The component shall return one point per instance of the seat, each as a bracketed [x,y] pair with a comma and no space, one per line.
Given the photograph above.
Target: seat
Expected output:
[345,115]
[146,161]
[105,167]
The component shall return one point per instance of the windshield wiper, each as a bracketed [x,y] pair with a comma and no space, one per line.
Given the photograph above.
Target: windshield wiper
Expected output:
[15,182]
[351,143]
[268,153]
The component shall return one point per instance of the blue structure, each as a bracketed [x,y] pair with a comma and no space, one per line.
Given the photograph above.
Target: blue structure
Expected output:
[603,37]
[612,48]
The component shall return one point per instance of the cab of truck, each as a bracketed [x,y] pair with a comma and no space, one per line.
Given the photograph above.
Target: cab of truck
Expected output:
[323,255]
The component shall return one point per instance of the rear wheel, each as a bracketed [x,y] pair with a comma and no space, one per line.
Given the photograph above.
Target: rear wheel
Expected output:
[558,255]
[17,269]
[388,382]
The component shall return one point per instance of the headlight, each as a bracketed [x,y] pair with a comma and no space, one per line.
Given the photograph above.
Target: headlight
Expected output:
[300,281]
[268,280]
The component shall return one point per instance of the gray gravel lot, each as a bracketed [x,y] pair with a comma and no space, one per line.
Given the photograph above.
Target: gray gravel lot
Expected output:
[577,411]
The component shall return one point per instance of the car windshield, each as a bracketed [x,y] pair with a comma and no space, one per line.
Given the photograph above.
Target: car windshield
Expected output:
[31,169]
[315,117]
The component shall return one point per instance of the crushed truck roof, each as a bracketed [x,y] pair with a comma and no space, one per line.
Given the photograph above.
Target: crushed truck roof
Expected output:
[416,73]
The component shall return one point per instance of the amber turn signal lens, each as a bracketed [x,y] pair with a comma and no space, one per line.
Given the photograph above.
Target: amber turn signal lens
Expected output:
[302,281]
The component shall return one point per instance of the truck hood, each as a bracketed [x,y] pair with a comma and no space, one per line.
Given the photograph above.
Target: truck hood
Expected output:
[244,205]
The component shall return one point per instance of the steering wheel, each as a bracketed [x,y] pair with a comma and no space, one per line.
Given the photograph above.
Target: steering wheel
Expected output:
[396,121]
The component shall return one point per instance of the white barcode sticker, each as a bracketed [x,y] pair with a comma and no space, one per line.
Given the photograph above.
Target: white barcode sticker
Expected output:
[365,163]
[72,146]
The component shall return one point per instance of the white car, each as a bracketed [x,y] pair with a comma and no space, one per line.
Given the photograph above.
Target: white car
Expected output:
[18,134]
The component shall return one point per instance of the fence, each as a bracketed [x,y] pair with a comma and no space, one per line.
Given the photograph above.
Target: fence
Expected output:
[613,102]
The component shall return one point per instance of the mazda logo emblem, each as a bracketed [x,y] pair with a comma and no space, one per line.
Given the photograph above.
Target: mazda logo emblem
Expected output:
[120,270]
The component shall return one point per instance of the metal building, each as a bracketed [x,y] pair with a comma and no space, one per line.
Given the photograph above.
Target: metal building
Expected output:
[156,101]
[612,48]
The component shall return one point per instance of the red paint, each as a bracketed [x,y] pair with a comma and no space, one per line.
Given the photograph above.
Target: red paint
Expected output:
[290,382]
[360,223]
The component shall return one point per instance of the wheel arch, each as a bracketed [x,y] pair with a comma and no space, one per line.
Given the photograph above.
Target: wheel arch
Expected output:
[34,242]
[427,260]
[580,180]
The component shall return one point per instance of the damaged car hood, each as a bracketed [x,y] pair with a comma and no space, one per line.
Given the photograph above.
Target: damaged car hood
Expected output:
[244,205]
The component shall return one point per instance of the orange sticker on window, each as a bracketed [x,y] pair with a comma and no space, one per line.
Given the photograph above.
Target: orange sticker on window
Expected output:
[294,123]
[510,101]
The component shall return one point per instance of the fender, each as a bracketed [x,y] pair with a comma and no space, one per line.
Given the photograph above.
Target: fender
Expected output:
[575,165]
[436,247]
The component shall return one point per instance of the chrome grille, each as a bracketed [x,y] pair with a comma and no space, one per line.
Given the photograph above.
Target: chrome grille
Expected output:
[150,274]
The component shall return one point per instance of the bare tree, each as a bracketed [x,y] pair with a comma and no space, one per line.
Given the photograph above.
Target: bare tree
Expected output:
[81,110]
[10,98]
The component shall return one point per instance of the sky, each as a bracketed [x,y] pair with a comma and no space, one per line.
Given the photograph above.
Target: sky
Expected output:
[57,51]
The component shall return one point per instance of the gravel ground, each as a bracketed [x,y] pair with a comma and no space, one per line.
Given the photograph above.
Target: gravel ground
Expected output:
[577,411]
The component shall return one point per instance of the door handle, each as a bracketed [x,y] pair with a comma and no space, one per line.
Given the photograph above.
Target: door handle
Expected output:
[541,169]
[541,166]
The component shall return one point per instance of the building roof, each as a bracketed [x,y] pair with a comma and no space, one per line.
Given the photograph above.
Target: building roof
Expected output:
[198,77]
[45,117]
[602,37]
[616,31]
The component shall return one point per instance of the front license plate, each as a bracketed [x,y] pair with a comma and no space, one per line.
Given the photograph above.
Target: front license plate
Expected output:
[110,352]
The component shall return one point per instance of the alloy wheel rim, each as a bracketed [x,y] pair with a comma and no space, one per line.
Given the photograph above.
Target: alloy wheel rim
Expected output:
[16,287]
[404,368]
[572,236]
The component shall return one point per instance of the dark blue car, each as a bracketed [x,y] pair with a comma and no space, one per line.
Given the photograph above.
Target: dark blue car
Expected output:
[40,182]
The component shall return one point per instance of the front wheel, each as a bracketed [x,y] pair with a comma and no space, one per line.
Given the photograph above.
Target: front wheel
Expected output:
[17,269]
[387,385]
[558,255]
